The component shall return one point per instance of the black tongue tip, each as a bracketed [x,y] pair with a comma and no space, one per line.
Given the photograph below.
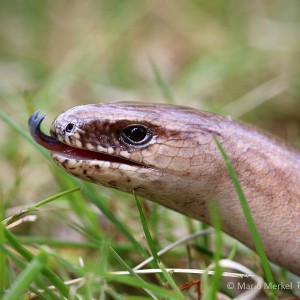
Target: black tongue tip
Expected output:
[41,138]
[34,123]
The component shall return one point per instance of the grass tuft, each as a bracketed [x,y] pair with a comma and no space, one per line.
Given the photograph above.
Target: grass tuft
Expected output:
[32,270]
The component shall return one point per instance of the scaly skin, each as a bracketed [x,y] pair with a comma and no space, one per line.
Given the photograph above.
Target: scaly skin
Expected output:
[181,168]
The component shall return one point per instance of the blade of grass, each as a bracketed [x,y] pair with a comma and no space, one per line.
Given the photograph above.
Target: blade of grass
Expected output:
[23,133]
[154,221]
[155,256]
[211,290]
[181,241]
[218,251]
[114,295]
[161,83]
[88,216]
[2,240]
[147,232]
[54,197]
[27,277]
[252,227]
[34,207]
[92,195]
[39,282]
[158,291]
[131,272]
[64,243]
[28,256]
[171,282]
[76,270]
[204,241]
[99,201]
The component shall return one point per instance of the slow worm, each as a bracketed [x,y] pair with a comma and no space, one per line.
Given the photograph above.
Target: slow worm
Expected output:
[167,154]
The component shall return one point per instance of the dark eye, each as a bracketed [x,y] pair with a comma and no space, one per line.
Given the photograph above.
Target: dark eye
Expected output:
[136,135]
[69,128]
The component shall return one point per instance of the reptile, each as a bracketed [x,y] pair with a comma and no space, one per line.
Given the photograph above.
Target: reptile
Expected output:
[168,155]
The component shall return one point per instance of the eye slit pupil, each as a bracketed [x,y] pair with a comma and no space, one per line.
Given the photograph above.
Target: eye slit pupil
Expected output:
[69,128]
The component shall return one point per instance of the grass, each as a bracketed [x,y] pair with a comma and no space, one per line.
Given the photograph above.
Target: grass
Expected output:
[32,271]
[251,224]
[161,83]
[234,57]
[33,268]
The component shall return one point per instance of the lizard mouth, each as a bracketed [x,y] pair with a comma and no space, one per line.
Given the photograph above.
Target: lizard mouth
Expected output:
[58,148]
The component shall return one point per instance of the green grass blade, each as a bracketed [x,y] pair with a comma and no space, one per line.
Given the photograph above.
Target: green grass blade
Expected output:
[39,282]
[27,277]
[157,290]
[2,241]
[23,133]
[123,263]
[171,282]
[147,232]
[59,243]
[161,83]
[252,227]
[105,210]
[212,288]
[32,208]
[115,295]
[54,197]
[28,256]
[136,276]
[151,244]
[88,215]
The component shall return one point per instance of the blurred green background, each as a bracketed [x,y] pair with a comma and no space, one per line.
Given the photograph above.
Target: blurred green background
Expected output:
[240,58]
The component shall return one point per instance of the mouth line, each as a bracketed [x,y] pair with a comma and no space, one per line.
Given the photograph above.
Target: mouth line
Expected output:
[83,154]
[56,147]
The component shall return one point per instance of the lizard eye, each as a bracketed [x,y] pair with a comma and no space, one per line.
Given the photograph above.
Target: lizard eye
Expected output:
[136,135]
[70,127]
